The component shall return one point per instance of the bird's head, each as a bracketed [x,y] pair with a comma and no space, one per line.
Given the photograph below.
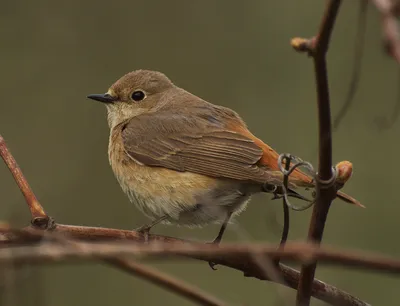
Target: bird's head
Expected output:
[135,93]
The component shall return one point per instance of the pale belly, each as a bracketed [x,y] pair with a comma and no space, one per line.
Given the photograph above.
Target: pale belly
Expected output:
[186,198]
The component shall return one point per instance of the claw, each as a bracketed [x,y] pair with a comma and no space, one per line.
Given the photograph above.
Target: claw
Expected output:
[212,265]
[144,230]
[215,242]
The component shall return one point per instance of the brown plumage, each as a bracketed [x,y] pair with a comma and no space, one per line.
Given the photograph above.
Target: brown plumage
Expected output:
[182,158]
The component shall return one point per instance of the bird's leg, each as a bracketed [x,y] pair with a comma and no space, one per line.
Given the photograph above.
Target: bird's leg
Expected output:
[221,232]
[218,239]
[145,229]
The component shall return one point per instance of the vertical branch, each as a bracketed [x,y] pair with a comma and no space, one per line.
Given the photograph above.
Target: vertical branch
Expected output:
[325,179]
[286,214]
[39,216]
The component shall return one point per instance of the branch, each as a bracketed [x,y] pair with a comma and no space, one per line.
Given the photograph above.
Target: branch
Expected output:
[388,10]
[356,74]
[50,249]
[38,214]
[324,183]
[165,281]
[239,257]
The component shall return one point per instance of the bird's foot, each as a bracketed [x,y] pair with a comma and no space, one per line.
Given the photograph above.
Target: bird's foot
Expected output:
[218,239]
[215,242]
[144,230]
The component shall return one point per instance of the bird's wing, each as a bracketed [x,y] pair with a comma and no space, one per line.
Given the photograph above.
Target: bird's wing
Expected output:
[199,144]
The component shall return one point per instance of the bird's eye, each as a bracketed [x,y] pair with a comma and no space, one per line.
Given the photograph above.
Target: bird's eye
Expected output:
[138,95]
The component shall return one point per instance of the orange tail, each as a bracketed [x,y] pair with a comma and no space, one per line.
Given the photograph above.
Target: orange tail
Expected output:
[299,178]
[348,199]
[270,159]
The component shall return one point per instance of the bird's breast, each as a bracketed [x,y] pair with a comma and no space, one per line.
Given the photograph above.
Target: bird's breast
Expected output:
[155,190]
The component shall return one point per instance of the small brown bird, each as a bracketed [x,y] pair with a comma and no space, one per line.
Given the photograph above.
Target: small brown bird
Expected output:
[183,160]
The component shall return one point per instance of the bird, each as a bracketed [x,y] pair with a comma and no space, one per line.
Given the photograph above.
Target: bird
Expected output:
[185,161]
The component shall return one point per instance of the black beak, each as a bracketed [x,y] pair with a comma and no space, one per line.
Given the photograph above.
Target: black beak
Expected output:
[105,98]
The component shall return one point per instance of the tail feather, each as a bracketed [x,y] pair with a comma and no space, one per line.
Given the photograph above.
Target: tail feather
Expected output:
[348,199]
[296,182]
[300,179]
[341,195]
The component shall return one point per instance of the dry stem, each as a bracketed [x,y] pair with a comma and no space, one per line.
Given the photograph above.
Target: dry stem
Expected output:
[232,255]
[37,211]
[325,188]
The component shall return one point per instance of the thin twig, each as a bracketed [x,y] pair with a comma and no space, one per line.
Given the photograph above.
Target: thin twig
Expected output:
[165,281]
[324,188]
[389,10]
[357,59]
[38,214]
[286,215]
[390,29]
[387,122]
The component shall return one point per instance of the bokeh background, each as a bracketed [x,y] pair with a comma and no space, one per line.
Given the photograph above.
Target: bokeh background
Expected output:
[233,53]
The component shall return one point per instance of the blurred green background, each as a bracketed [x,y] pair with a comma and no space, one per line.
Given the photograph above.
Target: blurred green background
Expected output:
[233,53]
